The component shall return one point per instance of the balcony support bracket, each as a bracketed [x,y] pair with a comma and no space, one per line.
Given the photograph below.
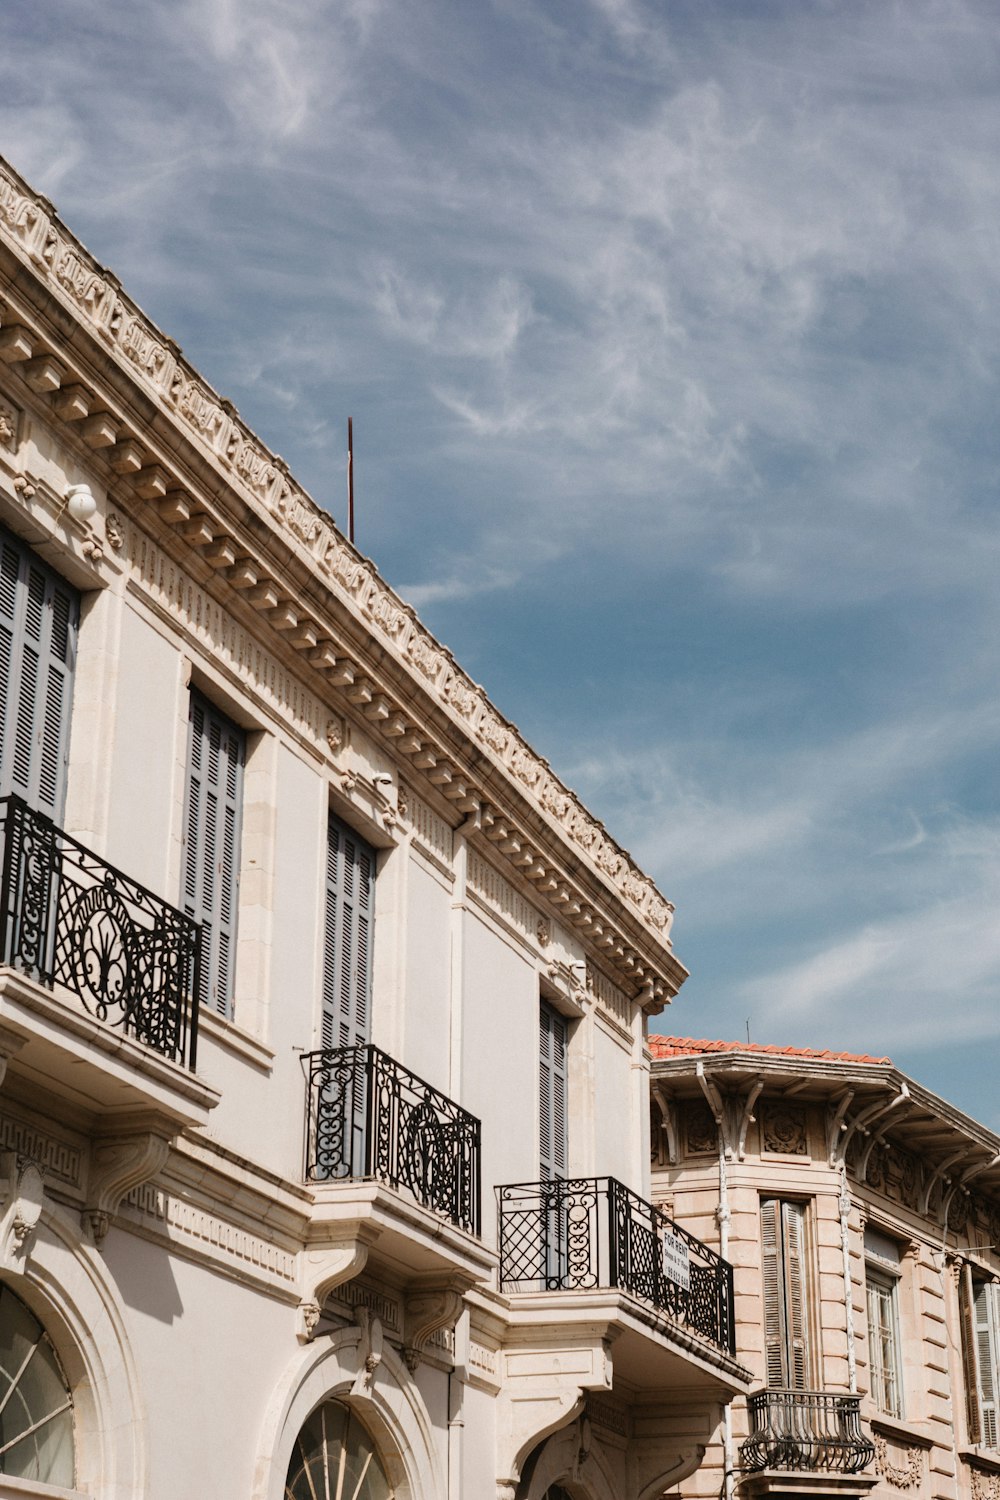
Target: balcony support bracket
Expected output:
[323,1270]
[124,1156]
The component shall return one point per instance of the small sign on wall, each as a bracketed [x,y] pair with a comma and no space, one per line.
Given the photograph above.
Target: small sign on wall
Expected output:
[676,1260]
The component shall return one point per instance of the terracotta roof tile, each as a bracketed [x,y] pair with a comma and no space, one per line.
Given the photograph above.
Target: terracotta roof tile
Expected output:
[686,1046]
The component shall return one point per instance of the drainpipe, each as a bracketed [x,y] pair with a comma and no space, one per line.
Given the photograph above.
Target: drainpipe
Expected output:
[456,1400]
[723,1215]
[845,1249]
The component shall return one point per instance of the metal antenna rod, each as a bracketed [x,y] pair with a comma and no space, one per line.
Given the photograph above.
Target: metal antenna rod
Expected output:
[350,479]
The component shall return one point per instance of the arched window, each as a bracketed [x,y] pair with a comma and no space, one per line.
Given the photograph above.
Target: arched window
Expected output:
[36,1408]
[334,1459]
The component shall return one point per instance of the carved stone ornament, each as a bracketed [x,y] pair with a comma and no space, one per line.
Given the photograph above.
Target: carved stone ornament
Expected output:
[119,1163]
[701,1131]
[114,530]
[335,735]
[8,426]
[784,1129]
[369,1352]
[322,1271]
[902,1476]
[23,1190]
[984,1486]
[428,1310]
[543,932]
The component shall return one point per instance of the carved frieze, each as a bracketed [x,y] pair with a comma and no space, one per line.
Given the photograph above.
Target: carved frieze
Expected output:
[701,1134]
[188,1223]
[985,1485]
[783,1128]
[900,1465]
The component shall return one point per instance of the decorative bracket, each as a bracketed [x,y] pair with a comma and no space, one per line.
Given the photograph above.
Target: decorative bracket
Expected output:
[429,1307]
[733,1114]
[23,1190]
[120,1161]
[322,1271]
[668,1122]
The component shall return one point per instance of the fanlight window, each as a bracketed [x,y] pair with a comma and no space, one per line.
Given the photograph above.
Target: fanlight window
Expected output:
[36,1409]
[335,1459]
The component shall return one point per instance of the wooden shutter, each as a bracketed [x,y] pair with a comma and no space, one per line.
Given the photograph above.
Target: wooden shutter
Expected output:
[347,938]
[211,864]
[553,1032]
[786,1318]
[986,1327]
[970,1364]
[39,614]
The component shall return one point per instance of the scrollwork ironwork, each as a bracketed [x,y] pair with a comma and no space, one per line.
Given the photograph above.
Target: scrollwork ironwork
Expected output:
[370,1117]
[73,921]
[819,1431]
[581,1233]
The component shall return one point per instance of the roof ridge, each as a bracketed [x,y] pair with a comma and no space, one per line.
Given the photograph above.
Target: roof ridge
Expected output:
[685,1046]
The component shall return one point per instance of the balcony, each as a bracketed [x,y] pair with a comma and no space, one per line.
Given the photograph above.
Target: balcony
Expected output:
[395,1170]
[802,1441]
[588,1233]
[71,920]
[98,979]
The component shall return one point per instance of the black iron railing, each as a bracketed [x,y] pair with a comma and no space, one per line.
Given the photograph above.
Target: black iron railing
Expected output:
[370,1117]
[815,1430]
[595,1232]
[68,918]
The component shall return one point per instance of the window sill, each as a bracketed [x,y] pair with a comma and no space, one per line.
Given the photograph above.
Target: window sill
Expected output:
[909,1432]
[987,1458]
[34,1489]
[228,1035]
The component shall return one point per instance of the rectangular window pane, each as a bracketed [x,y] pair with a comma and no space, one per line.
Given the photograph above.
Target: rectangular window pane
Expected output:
[883,1344]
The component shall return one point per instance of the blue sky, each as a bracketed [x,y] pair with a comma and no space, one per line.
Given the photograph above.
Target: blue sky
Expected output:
[670,334]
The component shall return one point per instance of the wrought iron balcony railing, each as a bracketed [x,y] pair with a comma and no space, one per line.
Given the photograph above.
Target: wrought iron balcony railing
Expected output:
[370,1117]
[815,1430]
[68,918]
[595,1232]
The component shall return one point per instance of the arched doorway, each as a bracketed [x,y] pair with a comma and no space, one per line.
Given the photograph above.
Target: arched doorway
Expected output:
[334,1458]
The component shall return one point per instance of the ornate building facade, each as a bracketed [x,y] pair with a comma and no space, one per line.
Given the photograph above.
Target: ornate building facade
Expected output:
[290,915]
[862,1216]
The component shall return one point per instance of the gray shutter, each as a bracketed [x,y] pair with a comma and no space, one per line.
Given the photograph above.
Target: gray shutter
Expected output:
[551,1094]
[347,938]
[783,1245]
[987,1334]
[39,614]
[211,864]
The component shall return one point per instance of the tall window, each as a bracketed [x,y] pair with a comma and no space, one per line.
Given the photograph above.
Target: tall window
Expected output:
[981,1350]
[882,1268]
[39,613]
[551,1094]
[786,1320]
[347,938]
[36,1408]
[212,819]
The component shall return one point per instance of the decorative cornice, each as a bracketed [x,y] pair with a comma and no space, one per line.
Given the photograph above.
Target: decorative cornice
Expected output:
[213,429]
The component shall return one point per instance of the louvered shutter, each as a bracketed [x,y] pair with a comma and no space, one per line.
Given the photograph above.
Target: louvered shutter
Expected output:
[986,1326]
[786,1316]
[970,1364]
[39,614]
[551,1094]
[347,938]
[211,864]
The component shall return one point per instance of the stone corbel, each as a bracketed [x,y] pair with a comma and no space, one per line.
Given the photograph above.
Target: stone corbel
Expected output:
[733,1114]
[668,1126]
[428,1308]
[10,1043]
[121,1160]
[369,1352]
[322,1271]
[22,1191]
[836,1128]
[536,1401]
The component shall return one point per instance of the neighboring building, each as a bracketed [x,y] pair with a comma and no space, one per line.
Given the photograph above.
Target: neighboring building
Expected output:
[318,993]
[862,1216]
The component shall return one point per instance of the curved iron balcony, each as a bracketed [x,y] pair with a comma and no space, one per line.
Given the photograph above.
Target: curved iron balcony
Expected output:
[369,1117]
[590,1232]
[814,1430]
[69,919]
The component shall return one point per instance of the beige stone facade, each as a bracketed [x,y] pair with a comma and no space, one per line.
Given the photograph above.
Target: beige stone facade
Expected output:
[268,1244]
[888,1200]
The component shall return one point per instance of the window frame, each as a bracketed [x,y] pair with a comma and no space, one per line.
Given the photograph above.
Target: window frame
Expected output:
[981,1335]
[781,1357]
[885,1385]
